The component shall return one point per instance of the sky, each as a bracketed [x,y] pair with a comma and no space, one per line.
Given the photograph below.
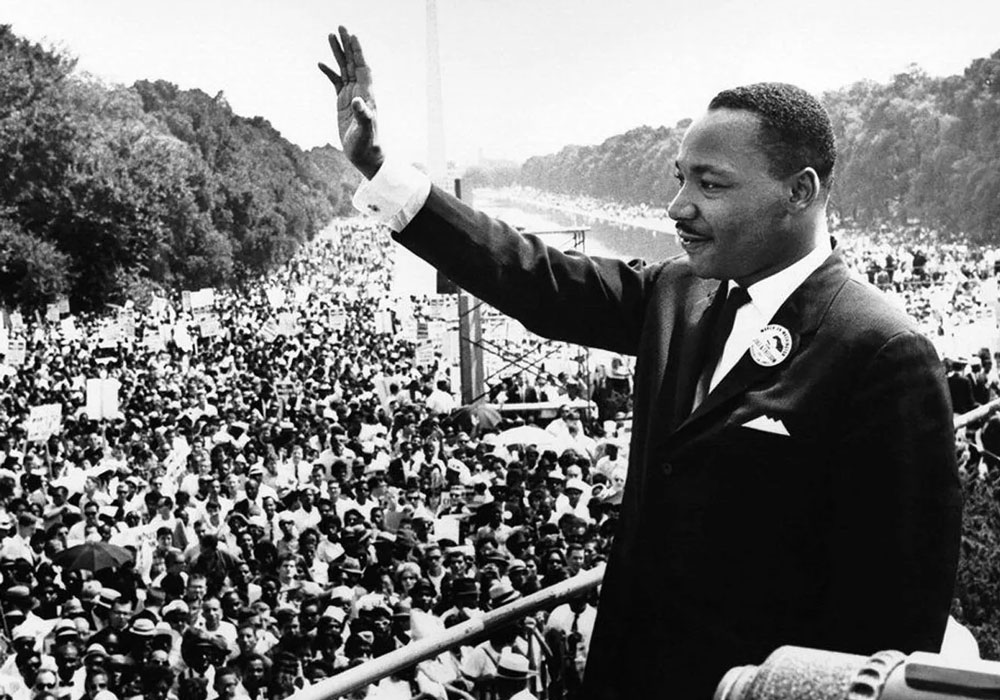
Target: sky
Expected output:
[519,77]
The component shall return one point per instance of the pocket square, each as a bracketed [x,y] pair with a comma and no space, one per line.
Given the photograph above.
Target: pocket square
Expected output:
[767,425]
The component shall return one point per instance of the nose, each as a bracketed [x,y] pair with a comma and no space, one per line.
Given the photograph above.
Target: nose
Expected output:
[681,207]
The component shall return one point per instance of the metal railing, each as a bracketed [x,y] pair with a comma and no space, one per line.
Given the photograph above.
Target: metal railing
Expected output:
[474,631]
[469,632]
[976,414]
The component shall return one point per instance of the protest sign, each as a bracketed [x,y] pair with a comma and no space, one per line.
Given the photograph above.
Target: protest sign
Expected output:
[275,296]
[408,330]
[154,342]
[424,354]
[102,399]
[338,322]
[44,421]
[284,389]
[69,330]
[17,351]
[302,293]
[209,327]
[157,306]
[202,298]
[182,338]
[126,322]
[288,323]
[447,527]
[383,322]
[269,331]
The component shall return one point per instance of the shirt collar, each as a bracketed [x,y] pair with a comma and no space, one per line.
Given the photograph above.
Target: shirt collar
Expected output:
[768,294]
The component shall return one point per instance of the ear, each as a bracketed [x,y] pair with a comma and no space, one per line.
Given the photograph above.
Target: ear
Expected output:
[804,189]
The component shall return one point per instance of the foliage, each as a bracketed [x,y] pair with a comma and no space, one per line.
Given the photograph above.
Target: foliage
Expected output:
[32,271]
[632,168]
[978,586]
[492,174]
[150,184]
[914,149]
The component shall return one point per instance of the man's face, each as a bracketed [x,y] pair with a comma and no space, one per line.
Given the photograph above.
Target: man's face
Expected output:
[731,213]
[212,610]
[95,683]
[457,565]
[196,588]
[120,612]
[255,672]
[246,638]
[68,661]
[225,685]
[308,617]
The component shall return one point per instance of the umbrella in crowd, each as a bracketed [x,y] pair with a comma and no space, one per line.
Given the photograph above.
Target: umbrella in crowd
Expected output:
[92,556]
[475,418]
[527,435]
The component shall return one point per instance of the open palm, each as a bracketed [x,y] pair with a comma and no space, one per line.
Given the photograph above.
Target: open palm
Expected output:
[355,103]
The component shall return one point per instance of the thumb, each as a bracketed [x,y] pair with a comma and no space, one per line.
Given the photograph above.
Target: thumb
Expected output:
[362,111]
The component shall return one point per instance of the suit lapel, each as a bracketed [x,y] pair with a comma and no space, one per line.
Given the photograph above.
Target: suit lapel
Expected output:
[800,315]
[692,352]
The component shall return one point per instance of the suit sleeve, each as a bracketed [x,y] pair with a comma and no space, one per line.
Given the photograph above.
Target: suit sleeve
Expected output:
[566,296]
[895,501]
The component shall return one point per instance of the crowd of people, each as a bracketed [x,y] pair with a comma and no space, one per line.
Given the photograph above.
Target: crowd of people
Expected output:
[293,495]
[297,494]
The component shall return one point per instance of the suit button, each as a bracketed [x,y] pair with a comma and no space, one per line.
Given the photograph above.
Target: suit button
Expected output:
[668,469]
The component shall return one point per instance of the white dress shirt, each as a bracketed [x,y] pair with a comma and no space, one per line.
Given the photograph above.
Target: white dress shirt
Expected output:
[766,297]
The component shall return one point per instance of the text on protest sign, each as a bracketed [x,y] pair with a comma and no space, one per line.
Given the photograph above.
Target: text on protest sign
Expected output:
[17,352]
[44,421]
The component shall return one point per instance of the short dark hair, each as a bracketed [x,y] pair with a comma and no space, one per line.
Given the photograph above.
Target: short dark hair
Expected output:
[795,126]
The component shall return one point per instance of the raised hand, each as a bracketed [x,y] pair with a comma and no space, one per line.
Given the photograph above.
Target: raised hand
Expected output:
[355,103]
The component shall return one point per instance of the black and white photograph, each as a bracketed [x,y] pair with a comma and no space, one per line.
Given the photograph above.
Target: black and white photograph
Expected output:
[499,350]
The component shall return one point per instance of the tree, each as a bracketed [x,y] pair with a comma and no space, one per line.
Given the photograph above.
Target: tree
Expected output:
[32,271]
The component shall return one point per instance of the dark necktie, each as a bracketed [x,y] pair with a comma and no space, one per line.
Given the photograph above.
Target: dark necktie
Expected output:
[720,331]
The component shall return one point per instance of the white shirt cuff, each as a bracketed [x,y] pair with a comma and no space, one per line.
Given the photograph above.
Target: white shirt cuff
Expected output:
[394,195]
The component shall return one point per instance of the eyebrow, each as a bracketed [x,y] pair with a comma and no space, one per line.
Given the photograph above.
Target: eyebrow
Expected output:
[703,169]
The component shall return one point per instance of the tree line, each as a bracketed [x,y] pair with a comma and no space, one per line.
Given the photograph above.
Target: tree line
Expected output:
[108,192]
[913,149]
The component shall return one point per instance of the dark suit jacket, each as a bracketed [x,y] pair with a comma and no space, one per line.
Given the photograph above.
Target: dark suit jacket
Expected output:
[842,535]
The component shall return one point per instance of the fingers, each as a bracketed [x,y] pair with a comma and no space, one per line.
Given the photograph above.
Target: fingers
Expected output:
[338,53]
[362,111]
[348,69]
[349,56]
[338,84]
[359,56]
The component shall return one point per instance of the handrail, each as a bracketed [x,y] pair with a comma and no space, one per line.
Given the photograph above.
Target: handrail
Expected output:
[475,630]
[465,633]
[977,413]
[546,405]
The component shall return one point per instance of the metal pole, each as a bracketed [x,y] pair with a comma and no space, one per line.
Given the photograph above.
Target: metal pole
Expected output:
[468,632]
[976,414]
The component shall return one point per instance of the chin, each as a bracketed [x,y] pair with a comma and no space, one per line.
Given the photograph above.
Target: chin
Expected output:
[705,269]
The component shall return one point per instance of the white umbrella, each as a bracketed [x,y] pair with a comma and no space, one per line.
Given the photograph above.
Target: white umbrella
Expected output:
[527,435]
